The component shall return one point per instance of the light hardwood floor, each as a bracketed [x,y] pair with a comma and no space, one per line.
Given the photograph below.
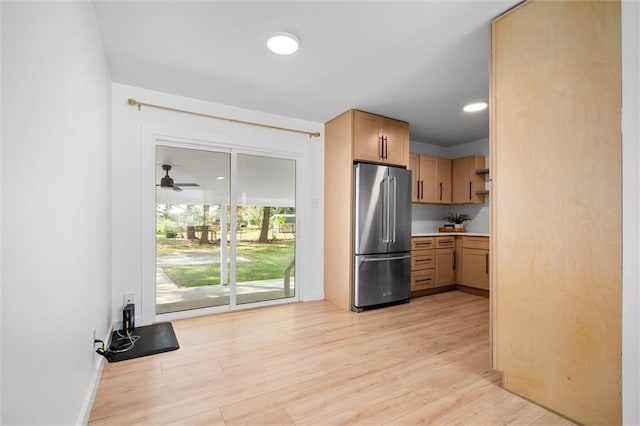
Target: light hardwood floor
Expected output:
[312,363]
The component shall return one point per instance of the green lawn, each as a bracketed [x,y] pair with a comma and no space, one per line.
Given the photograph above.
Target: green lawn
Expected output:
[266,261]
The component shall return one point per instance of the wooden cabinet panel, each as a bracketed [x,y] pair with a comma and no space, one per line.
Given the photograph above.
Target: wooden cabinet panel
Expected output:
[424,186]
[396,141]
[445,242]
[422,243]
[476,242]
[422,263]
[414,167]
[367,131]
[465,180]
[422,259]
[557,168]
[421,280]
[338,177]
[444,181]
[457,261]
[380,140]
[445,274]
[476,268]
[439,180]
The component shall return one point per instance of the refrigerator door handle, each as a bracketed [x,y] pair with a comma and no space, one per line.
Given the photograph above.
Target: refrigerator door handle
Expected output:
[385,259]
[386,219]
[395,209]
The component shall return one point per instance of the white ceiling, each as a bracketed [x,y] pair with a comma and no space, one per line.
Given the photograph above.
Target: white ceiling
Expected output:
[418,61]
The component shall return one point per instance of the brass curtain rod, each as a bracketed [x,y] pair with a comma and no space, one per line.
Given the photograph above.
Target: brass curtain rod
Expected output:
[233,120]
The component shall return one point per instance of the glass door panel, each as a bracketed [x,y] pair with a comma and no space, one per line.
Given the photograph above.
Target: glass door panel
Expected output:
[266,229]
[192,224]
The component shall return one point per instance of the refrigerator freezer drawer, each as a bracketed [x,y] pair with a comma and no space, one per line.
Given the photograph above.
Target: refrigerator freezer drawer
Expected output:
[381,279]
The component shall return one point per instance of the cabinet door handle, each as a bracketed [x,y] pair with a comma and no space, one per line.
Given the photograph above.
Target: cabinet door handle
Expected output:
[418,189]
[486,263]
[454,260]
[440,191]
[382,147]
[421,189]
[386,148]
[469,190]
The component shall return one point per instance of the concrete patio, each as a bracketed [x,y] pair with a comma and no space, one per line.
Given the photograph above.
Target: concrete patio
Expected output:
[171,298]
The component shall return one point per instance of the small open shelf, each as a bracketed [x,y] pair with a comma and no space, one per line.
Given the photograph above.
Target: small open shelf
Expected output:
[482,171]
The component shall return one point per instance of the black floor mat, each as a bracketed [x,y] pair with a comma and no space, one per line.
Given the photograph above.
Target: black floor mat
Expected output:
[154,339]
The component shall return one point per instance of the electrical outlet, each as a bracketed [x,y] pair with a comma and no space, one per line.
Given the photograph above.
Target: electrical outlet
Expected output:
[127,298]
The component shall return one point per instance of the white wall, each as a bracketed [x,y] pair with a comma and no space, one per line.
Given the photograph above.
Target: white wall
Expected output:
[133,164]
[631,213]
[56,201]
[427,218]
[1,274]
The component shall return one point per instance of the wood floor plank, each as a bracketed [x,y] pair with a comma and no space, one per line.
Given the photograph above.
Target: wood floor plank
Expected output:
[311,363]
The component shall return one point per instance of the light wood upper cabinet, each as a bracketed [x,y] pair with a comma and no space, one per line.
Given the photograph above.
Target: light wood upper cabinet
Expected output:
[466,183]
[431,179]
[380,140]
[444,181]
[414,166]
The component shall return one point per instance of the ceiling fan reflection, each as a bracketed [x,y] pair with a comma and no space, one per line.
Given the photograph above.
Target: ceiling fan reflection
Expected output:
[167,181]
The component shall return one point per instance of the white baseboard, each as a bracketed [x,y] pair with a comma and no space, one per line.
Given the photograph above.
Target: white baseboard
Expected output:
[87,404]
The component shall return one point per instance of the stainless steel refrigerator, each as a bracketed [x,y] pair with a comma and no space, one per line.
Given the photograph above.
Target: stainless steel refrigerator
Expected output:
[382,235]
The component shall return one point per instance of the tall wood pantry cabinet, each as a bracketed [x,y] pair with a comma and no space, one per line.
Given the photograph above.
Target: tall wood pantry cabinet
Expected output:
[352,136]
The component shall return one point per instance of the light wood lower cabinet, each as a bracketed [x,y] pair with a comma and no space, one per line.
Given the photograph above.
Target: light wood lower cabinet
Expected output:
[475,261]
[448,260]
[476,268]
[445,261]
[445,272]
[422,263]
[421,280]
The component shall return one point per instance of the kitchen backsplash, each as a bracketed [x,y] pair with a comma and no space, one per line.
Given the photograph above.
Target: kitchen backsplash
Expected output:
[428,218]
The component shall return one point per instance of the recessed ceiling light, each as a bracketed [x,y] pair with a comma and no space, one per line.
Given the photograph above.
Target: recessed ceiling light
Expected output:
[283,43]
[476,106]
[220,178]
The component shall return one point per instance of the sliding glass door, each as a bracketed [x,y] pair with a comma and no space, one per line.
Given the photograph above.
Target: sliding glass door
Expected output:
[192,221]
[265,250]
[200,262]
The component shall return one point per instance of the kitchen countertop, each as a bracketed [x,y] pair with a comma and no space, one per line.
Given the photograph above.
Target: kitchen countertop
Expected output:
[445,234]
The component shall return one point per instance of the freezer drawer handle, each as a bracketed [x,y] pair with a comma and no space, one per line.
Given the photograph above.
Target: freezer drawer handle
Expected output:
[384,259]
